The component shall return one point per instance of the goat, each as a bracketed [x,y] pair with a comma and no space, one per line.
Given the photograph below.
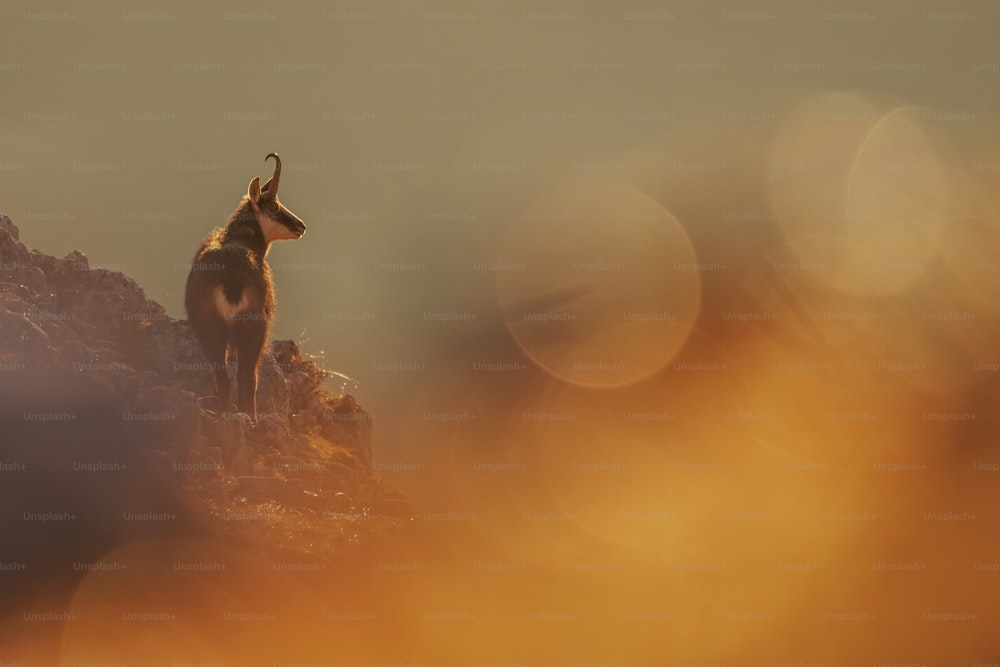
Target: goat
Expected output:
[229,297]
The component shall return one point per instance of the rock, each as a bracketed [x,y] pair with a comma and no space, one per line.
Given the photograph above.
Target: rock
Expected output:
[302,392]
[210,404]
[105,367]
[84,330]
[394,505]
[286,354]
[240,463]
[261,486]
[22,336]
[292,465]
[75,301]
[347,425]
[115,378]
[101,308]
[30,276]
[215,454]
[175,409]
[16,264]
[200,444]
[303,377]
[134,297]
[15,297]
[270,432]
[341,502]
[72,274]
[79,258]
[9,227]
[228,431]
[207,468]
[57,271]
[169,346]
[60,334]
[272,393]
[98,326]
[13,254]
[286,492]
[108,306]
[302,422]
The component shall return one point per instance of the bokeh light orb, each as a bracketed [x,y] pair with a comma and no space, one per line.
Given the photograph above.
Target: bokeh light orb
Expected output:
[600,285]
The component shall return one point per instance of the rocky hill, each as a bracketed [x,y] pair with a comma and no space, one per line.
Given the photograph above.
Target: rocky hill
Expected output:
[109,433]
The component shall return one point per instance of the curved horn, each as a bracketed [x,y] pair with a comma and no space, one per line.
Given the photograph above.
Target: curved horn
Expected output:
[272,183]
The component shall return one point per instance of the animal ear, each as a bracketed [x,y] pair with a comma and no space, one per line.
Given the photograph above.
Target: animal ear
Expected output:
[253,192]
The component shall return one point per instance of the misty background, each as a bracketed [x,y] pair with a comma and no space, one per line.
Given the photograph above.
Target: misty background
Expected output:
[129,130]
[428,146]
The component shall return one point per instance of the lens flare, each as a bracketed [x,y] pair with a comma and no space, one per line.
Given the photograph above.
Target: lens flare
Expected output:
[603,287]
[874,176]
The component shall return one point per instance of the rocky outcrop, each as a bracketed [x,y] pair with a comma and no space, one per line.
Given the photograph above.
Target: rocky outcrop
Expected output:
[61,318]
[61,312]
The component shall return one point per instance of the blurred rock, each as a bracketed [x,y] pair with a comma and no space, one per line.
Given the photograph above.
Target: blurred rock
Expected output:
[175,409]
[215,454]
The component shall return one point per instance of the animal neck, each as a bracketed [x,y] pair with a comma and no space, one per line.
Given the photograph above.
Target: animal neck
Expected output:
[244,228]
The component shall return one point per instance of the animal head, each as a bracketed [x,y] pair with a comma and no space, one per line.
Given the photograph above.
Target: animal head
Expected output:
[276,221]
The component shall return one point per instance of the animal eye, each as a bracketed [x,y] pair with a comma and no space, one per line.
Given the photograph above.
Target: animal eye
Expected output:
[274,206]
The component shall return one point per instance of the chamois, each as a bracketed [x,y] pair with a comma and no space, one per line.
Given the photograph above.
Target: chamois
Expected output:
[229,296]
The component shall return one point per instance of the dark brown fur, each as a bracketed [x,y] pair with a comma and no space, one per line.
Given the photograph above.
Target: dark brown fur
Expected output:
[233,258]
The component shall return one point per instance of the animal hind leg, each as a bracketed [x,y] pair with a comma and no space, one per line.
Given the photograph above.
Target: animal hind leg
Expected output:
[215,344]
[249,339]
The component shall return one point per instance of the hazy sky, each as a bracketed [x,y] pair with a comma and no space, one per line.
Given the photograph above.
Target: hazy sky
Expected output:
[128,130]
